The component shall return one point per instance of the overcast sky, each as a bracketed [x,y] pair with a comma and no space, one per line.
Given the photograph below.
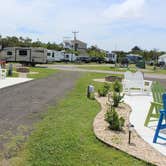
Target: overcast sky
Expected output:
[111,24]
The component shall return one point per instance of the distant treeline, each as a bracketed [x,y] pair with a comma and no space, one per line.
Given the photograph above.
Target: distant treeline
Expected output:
[27,42]
[147,54]
[14,41]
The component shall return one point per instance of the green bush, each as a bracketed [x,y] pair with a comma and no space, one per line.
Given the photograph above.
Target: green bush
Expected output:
[117,86]
[103,91]
[117,99]
[112,117]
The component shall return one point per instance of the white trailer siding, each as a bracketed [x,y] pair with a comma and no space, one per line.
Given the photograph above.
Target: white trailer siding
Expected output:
[162,58]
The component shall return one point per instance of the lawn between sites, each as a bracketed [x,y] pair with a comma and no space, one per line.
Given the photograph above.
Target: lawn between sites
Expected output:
[38,72]
[132,68]
[65,135]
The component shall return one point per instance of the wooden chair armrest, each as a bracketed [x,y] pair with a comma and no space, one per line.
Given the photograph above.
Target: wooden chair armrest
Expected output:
[156,103]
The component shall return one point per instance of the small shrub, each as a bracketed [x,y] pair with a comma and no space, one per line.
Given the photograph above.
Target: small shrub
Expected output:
[117,99]
[104,90]
[117,86]
[112,117]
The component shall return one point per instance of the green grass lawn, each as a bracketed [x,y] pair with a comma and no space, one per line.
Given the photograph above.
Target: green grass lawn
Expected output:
[149,69]
[65,135]
[41,72]
[108,68]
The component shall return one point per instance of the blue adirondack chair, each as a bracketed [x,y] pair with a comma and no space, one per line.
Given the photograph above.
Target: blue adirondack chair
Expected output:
[162,117]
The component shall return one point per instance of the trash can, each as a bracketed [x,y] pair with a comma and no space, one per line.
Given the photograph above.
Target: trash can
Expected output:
[90,90]
[10,71]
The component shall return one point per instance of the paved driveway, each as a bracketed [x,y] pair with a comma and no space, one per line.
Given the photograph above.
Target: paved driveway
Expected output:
[22,104]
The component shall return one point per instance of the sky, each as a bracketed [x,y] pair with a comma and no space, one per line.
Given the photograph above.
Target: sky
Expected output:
[109,24]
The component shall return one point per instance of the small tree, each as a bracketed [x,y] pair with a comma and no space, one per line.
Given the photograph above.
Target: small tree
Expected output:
[112,117]
[104,90]
[117,99]
[117,86]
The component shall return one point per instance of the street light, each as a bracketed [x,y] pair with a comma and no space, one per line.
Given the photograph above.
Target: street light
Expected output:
[131,128]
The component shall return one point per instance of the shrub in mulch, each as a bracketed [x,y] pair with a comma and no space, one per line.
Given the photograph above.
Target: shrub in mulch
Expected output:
[115,122]
[103,91]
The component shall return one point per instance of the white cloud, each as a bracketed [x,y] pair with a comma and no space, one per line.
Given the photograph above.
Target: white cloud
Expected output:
[129,9]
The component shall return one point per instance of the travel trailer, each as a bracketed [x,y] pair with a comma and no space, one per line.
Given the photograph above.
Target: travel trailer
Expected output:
[28,56]
[69,57]
[133,58]
[111,58]
[162,58]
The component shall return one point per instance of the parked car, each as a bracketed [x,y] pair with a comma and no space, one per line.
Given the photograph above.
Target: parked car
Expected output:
[85,59]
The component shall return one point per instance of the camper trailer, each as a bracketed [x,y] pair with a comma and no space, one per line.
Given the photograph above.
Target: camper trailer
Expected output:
[50,56]
[28,56]
[111,58]
[162,61]
[69,57]
[55,56]
[59,56]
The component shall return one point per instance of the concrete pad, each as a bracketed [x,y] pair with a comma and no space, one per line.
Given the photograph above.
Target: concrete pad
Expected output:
[12,81]
[140,106]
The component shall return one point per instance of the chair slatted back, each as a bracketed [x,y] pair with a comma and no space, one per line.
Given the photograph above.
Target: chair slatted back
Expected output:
[157,90]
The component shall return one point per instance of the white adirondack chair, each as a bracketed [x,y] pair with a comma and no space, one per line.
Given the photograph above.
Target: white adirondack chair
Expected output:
[3,73]
[134,82]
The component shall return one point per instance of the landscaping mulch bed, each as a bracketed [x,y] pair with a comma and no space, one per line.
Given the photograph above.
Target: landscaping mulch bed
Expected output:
[138,147]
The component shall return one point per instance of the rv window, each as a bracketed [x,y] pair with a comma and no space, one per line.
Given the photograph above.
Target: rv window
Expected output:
[9,53]
[53,55]
[48,54]
[67,56]
[23,52]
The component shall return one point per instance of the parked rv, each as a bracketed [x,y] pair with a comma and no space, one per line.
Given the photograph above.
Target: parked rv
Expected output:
[50,56]
[111,58]
[133,58]
[69,57]
[85,59]
[162,61]
[28,56]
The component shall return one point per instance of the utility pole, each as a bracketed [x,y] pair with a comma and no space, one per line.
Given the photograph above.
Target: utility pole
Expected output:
[75,38]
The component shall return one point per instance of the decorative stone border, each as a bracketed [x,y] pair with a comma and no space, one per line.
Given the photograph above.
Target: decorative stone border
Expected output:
[119,140]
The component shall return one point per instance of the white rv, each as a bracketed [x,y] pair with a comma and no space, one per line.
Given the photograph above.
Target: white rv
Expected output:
[55,56]
[111,58]
[50,57]
[69,57]
[162,58]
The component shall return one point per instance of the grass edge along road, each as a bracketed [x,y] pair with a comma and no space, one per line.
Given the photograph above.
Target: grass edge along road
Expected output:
[132,68]
[65,136]
[41,72]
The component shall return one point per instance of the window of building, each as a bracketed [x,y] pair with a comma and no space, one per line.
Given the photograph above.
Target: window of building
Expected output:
[53,55]
[23,52]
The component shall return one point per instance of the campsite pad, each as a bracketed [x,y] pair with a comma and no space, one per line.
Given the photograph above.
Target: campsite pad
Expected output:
[21,106]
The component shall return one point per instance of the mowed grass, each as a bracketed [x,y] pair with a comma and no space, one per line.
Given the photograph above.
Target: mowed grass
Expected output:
[108,68]
[149,69]
[65,136]
[41,72]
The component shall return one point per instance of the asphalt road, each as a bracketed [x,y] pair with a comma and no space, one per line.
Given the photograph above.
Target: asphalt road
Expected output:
[22,105]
